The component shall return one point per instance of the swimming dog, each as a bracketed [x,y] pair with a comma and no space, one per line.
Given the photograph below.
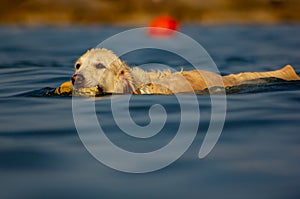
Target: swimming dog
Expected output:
[101,68]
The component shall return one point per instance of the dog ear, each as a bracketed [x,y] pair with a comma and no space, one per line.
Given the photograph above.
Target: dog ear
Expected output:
[124,83]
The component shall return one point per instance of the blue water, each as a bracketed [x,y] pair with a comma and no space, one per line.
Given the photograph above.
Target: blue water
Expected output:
[42,156]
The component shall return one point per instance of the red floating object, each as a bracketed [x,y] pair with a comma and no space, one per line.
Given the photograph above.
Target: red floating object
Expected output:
[163,26]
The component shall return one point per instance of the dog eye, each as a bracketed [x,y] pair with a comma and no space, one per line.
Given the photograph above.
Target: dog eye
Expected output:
[77,66]
[100,66]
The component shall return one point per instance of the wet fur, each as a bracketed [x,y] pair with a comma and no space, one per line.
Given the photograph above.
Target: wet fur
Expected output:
[101,67]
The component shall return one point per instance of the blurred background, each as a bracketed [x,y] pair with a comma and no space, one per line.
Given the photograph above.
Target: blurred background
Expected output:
[140,12]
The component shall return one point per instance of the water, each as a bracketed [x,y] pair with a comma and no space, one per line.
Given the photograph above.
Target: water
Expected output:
[41,155]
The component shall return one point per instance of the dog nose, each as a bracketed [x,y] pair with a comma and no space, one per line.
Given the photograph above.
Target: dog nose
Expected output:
[78,78]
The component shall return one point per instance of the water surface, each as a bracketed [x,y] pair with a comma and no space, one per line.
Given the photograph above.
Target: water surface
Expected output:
[41,155]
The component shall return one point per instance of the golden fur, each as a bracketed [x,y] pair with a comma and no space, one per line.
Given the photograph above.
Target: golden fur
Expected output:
[102,68]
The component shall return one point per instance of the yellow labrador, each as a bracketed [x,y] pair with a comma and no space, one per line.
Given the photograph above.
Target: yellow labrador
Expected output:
[101,68]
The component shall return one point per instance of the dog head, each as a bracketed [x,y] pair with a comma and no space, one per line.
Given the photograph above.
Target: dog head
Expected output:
[101,67]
